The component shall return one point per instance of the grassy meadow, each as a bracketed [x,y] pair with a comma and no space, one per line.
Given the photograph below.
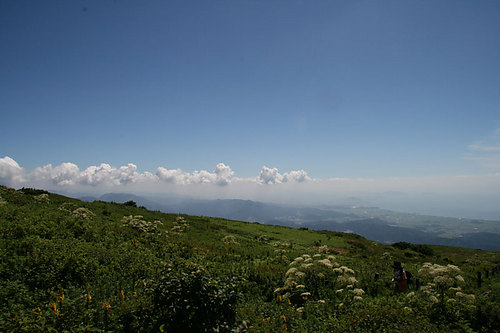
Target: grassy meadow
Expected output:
[73,266]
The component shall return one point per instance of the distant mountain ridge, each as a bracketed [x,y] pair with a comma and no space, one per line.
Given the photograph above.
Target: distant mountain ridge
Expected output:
[373,223]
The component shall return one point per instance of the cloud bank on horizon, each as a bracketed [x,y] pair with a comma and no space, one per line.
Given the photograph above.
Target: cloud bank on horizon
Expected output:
[67,175]
[463,195]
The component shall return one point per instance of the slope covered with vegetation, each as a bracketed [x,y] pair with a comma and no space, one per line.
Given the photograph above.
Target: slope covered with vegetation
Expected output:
[68,265]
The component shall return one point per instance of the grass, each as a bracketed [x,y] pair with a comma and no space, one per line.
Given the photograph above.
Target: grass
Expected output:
[69,265]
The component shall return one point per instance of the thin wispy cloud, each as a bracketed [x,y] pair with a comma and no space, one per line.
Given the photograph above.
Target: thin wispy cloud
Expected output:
[487,151]
[484,148]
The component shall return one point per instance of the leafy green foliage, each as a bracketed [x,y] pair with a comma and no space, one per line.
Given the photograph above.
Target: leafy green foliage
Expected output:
[130,203]
[420,248]
[190,299]
[33,191]
[68,265]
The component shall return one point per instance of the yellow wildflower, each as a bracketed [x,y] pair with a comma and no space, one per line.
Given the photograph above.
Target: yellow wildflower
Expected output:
[37,309]
[39,312]
[283,318]
[53,306]
[106,306]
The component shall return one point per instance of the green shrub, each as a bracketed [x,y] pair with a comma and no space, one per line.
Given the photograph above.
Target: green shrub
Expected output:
[420,248]
[188,298]
[33,191]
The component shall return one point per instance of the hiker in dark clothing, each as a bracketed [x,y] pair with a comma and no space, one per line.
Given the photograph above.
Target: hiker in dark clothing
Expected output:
[400,279]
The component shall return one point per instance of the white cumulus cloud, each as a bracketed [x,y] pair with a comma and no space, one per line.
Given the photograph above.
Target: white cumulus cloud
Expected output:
[176,176]
[222,175]
[105,174]
[69,175]
[10,172]
[64,174]
[95,175]
[296,176]
[272,176]
[127,174]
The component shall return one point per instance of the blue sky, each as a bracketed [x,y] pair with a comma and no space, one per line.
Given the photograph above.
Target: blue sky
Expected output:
[354,89]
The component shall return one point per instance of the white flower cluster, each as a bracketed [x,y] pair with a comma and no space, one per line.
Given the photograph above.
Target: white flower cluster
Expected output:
[345,275]
[426,293]
[323,270]
[456,296]
[180,224]
[326,249]
[442,276]
[281,244]
[83,213]
[230,240]
[281,254]
[42,198]
[137,222]
[467,297]
[444,281]
[357,291]
[68,207]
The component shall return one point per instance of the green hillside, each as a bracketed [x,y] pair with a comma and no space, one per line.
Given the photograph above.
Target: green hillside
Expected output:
[68,265]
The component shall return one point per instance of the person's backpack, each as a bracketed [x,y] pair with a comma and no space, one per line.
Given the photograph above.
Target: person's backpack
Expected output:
[409,277]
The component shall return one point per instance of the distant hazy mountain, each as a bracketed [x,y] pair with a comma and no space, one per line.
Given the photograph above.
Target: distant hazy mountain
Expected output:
[380,225]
